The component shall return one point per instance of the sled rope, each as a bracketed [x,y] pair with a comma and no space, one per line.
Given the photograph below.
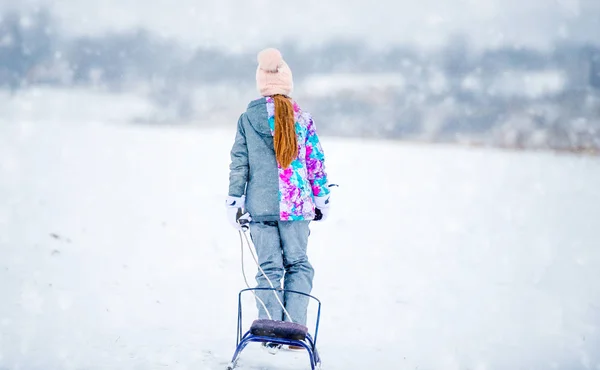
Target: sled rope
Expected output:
[263,273]
[246,280]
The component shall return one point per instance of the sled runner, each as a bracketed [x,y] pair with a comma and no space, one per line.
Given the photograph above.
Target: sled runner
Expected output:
[275,332]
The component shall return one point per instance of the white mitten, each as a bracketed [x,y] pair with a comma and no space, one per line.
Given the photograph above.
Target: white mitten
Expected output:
[236,214]
[321,208]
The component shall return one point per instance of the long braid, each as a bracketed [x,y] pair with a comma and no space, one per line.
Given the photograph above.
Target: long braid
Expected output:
[286,141]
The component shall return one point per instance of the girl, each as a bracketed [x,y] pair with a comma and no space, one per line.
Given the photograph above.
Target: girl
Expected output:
[277,179]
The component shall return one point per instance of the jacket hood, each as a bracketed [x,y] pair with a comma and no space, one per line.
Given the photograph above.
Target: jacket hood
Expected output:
[258,116]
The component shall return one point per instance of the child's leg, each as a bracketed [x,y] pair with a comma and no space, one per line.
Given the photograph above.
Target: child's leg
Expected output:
[298,271]
[265,237]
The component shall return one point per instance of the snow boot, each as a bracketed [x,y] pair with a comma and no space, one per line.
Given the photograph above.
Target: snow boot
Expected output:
[271,347]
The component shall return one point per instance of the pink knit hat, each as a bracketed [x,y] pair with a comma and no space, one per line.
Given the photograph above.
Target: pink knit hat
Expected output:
[273,75]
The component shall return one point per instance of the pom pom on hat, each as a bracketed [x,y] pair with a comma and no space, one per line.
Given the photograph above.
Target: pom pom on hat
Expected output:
[269,60]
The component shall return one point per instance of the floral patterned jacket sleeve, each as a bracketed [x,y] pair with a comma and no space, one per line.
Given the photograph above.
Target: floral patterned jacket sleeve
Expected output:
[315,161]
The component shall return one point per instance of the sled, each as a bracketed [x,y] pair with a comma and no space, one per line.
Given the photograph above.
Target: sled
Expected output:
[284,333]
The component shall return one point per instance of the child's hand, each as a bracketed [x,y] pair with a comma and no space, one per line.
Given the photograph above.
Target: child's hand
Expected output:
[321,208]
[235,213]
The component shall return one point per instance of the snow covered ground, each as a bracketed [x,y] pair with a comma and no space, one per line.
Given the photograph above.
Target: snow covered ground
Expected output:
[115,254]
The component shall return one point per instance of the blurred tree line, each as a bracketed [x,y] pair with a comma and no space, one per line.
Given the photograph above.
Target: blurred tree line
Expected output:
[447,95]
[32,52]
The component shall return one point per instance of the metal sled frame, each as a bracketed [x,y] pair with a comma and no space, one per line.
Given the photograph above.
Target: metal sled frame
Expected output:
[309,344]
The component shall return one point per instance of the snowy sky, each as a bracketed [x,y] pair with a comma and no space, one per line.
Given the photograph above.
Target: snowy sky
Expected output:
[242,24]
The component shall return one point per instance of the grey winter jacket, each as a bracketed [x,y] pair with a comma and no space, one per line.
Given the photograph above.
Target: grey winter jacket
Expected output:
[253,163]
[274,193]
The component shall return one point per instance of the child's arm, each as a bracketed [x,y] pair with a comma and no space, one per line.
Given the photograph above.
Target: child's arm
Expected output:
[315,161]
[238,169]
